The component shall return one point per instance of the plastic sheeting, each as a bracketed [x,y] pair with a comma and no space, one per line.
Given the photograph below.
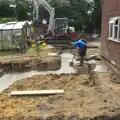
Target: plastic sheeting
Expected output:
[13,25]
[19,25]
[2,25]
[9,26]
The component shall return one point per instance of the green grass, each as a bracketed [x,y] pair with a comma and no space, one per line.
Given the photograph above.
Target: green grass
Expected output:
[7,53]
[32,50]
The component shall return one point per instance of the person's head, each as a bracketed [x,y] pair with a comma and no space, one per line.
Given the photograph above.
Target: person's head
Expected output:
[83,40]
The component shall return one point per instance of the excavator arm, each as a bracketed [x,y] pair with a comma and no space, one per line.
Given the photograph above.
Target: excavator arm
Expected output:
[37,4]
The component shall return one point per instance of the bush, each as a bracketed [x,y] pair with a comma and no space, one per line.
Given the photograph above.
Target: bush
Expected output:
[6,19]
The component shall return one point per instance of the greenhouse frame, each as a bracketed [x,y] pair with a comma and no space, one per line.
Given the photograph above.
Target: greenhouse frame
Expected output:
[14,34]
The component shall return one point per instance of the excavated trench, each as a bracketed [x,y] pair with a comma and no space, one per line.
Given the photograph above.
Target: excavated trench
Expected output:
[8,79]
[63,117]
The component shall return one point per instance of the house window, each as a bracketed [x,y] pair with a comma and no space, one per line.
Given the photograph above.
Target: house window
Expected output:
[114,28]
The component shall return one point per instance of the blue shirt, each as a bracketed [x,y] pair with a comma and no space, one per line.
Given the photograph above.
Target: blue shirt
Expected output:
[80,44]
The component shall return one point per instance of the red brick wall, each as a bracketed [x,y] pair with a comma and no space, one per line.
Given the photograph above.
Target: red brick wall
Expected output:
[110,49]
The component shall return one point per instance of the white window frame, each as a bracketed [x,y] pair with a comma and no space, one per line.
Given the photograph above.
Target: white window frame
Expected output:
[112,23]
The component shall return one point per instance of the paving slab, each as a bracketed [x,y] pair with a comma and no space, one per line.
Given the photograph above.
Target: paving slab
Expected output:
[100,68]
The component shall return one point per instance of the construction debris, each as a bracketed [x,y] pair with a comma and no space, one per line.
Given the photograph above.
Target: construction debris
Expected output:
[38,92]
[52,54]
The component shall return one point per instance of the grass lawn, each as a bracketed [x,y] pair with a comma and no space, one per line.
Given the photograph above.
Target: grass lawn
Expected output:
[7,53]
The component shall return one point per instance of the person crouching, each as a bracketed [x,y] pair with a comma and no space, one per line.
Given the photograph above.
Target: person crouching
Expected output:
[81,46]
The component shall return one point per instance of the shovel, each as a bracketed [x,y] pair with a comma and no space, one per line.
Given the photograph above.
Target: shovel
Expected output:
[72,63]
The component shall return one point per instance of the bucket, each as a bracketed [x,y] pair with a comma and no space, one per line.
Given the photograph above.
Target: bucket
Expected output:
[44,44]
[33,45]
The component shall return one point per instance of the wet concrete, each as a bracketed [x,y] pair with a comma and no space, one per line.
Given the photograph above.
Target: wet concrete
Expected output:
[9,79]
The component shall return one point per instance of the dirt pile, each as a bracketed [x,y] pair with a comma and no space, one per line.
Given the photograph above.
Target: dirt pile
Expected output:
[80,100]
[31,61]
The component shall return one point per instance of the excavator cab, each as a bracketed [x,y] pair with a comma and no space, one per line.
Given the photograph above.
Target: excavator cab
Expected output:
[63,27]
[60,26]
[63,32]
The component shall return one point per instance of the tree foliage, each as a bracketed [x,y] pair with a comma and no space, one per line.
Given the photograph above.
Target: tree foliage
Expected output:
[5,10]
[6,19]
[83,12]
[96,15]
[21,11]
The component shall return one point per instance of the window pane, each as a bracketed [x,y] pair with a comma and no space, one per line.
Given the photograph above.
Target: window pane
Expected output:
[119,32]
[116,22]
[116,31]
[60,26]
[57,26]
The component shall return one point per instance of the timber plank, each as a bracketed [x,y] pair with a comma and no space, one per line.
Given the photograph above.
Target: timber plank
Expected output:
[37,92]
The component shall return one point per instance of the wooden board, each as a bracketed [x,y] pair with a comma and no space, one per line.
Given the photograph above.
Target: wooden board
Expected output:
[52,54]
[37,92]
[102,69]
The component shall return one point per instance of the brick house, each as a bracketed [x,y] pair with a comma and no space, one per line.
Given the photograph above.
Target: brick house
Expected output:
[110,37]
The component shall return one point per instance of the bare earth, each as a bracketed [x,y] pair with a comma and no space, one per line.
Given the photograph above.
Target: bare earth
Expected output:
[80,100]
[31,61]
[79,97]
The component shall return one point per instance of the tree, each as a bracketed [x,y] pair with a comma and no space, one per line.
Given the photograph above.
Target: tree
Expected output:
[84,12]
[23,9]
[74,9]
[5,10]
[96,15]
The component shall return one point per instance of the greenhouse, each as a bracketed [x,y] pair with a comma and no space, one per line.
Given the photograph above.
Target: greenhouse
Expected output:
[14,34]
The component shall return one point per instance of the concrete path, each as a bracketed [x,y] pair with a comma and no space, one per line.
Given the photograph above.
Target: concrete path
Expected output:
[9,79]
